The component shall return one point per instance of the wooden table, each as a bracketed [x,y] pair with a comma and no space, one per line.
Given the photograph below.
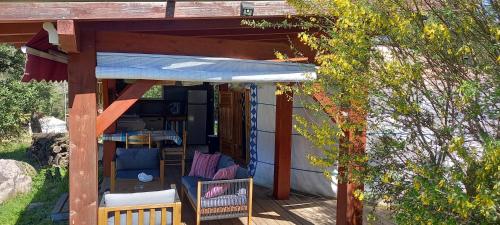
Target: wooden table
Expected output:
[134,185]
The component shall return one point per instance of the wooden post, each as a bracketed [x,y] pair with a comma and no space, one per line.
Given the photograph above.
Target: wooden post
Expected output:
[109,147]
[83,144]
[283,146]
[342,183]
[349,208]
[355,206]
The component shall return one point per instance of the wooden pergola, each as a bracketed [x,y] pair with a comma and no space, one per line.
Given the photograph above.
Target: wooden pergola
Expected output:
[203,28]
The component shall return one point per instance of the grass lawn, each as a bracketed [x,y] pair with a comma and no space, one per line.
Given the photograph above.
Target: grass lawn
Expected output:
[48,184]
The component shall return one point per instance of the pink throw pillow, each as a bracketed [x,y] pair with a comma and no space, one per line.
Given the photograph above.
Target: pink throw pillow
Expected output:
[222,174]
[204,165]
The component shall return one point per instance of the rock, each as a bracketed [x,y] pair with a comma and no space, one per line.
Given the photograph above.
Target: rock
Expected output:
[15,178]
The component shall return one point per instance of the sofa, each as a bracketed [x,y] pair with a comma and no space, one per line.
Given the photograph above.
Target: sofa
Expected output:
[156,207]
[235,202]
[128,163]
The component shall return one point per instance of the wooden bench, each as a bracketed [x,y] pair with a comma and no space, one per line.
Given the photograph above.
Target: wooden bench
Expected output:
[159,208]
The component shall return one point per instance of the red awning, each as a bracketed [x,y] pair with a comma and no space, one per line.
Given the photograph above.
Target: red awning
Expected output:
[40,69]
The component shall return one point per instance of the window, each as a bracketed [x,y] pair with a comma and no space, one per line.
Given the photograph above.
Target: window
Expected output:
[156,92]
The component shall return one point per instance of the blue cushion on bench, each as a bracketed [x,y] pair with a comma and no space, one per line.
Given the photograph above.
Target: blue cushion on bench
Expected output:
[241,173]
[224,161]
[132,174]
[190,183]
[137,158]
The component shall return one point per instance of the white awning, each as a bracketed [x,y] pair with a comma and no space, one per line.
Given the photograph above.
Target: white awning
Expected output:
[198,69]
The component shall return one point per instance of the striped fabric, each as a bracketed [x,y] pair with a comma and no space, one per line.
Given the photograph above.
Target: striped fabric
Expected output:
[157,135]
[204,165]
[224,200]
[222,174]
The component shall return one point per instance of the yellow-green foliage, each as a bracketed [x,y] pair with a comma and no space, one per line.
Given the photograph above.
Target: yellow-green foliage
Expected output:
[426,74]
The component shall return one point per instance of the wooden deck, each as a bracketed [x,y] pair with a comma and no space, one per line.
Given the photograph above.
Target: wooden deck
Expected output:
[299,209]
[306,210]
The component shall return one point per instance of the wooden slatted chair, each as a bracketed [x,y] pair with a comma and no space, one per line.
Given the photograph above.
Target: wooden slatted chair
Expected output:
[176,156]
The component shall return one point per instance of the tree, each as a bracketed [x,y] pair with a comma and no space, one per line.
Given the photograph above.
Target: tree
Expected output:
[20,101]
[426,76]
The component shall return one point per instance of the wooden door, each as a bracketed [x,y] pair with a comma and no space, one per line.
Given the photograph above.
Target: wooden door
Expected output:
[230,123]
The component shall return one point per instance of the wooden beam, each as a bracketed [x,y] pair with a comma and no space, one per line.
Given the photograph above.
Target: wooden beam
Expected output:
[353,143]
[188,26]
[342,182]
[354,213]
[236,33]
[66,30]
[130,96]
[283,146]
[164,44]
[52,11]
[15,38]
[356,150]
[284,37]
[333,111]
[83,194]
[296,60]
[7,29]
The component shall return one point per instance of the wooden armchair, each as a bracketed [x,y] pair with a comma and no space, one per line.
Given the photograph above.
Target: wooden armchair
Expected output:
[128,163]
[235,199]
[158,208]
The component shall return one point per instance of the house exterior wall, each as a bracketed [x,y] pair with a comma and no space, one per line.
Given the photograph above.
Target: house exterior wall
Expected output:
[304,177]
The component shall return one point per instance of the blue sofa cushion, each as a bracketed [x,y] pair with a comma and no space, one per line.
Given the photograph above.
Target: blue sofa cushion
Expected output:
[137,158]
[132,174]
[241,173]
[190,183]
[135,218]
[224,161]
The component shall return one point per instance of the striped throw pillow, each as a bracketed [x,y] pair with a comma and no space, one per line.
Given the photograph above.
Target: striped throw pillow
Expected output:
[227,173]
[204,165]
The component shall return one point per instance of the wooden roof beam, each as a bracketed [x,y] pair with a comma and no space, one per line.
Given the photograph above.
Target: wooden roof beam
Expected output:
[180,25]
[67,32]
[52,11]
[16,38]
[165,44]
[8,29]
